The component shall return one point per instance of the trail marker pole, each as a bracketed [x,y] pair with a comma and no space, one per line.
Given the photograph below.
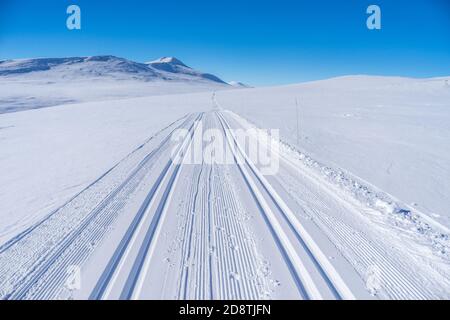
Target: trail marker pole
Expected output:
[297,113]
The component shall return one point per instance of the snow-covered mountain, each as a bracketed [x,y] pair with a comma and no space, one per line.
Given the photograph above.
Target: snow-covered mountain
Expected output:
[169,69]
[173,66]
[44,82]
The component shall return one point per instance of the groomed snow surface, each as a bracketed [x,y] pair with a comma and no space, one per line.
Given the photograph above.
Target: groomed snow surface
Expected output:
[92,205]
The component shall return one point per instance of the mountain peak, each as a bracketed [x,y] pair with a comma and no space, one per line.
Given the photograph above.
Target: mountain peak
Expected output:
[172,65]
[169,60]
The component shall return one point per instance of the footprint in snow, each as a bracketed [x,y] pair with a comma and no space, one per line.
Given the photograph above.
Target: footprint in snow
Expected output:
[235,276]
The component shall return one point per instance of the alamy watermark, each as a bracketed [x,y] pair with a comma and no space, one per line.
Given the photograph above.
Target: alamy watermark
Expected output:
[373,22]
[73,21]
[226,147]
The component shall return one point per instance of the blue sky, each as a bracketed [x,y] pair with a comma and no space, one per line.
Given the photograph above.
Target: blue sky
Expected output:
[257,42]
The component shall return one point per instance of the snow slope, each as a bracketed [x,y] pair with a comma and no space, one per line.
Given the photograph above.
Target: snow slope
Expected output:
[50,154]
[391,132]
[154,228]
[92,185]
[36,83]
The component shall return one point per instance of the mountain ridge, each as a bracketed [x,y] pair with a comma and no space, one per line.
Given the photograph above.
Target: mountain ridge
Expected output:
[173,65]
[166,68]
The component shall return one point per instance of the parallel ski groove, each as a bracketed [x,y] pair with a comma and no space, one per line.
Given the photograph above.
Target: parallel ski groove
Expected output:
[134,284]
[396,276]
[52,263]
[306,286]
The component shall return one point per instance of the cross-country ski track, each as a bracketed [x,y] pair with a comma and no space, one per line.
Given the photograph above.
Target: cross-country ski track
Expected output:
[156,227]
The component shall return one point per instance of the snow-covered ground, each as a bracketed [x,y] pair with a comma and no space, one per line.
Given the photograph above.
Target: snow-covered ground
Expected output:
[358,208]
[391,132]
[50,154]
[23,95]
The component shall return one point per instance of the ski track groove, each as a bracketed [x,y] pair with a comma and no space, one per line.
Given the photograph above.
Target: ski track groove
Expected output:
[328,273]
[197,274]
[52,263]
[27,231]
[133,286]
[300,275]
[394,273]
[247,260]
[219,256]
[114,263]
[396,276]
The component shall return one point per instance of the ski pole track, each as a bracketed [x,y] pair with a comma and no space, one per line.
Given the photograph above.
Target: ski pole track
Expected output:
[293,262]
[80,239]
[191,213]
[242,246]
[304,280]
[247,257]
[217,250]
